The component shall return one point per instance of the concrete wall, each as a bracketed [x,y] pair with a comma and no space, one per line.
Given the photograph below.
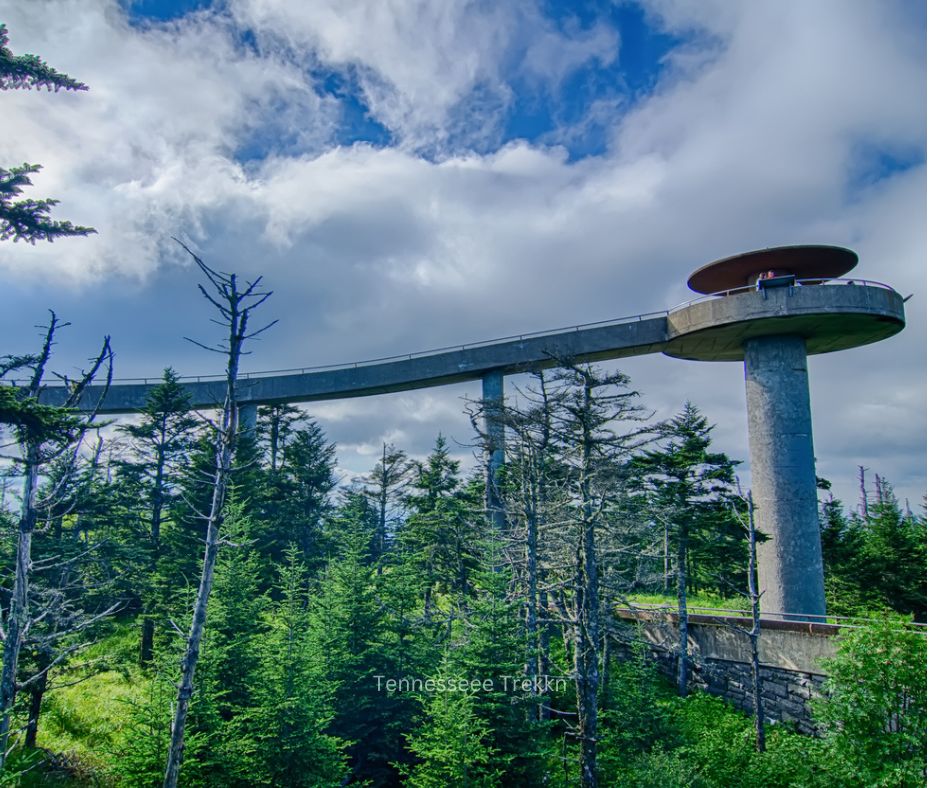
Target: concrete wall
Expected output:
[791,653]
[829,317]
[420,370]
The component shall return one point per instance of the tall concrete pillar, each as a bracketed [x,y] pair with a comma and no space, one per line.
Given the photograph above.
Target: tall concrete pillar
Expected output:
[247,418]
[783,477]
[495,445]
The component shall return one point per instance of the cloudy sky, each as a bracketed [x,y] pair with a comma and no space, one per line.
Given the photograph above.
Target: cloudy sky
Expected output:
[408,174]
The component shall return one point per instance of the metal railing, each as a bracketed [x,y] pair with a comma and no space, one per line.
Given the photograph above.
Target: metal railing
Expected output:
[146,381]
[849,622]
[799,282]
[387,359]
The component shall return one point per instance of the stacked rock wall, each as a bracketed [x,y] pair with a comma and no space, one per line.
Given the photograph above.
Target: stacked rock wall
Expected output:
[790,654]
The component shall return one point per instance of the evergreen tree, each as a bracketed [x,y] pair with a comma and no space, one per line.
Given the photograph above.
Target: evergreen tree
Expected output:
[892,569]
[231,658]
[161,441]
[385,486]
[411,646]
[841,539]
[297,498]
[443,526]
[28,220]
[451,743]
[285,730]
[489,645]
[349,635]
[877,559]
[687,482]
[275,426]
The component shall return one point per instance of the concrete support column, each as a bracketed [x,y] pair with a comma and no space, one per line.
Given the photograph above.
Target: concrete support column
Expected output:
[495,445]
[247,418]
[783,477]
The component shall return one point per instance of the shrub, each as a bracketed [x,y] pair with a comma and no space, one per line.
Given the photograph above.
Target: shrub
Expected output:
[874,714]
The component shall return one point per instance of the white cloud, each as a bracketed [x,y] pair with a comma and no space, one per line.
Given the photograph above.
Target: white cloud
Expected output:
[375,251]
[150,147]
[431,72]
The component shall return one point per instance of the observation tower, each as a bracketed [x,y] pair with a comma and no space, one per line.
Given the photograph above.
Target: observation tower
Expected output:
[769,309]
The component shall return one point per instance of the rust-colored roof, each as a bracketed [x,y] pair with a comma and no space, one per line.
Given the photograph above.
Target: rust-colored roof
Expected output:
[806,262]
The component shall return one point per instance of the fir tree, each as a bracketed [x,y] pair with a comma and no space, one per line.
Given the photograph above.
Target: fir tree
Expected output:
[490,646]
[451,743]
[442,527]
[285,730]
[160,444]
[349,634]
[686,482]
[297,498]
[29,220]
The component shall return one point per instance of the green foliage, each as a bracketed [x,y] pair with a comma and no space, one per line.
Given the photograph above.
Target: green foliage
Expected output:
[636,714]
[296,496]
[323,594]
[442,528]
[283,735]
[451,744]
[348,631]
[707,744]
[688,493]
[653,738]
[34,421]
[29,71]
[28,220]
[139,751]
[150,483]
[489,645]
[230,661]
[875,713]
[876,562]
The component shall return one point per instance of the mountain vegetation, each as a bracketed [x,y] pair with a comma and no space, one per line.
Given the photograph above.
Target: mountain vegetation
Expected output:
[391,631]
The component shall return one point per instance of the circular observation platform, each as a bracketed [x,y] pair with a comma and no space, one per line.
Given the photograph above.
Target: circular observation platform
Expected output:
[829,316]
[814,263]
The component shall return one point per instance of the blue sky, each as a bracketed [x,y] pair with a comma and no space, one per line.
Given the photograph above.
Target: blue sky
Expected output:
[539,112]
[412,173]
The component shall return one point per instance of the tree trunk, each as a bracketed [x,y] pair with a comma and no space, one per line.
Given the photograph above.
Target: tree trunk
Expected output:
[666,558]
[18,615]
[156,518]
[236,311]
[682,676]
[543,652]
[754,634]
[585,655]
[587,608]
[532,608]
[36,692]
[184,695]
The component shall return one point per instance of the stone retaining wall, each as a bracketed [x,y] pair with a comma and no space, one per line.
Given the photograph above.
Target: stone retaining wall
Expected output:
[790,653]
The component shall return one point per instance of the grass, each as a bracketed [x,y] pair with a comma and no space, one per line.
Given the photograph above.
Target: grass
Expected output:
[704,602]
[81,722]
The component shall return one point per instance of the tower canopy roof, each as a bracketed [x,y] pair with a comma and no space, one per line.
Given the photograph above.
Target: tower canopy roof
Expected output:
[804,262]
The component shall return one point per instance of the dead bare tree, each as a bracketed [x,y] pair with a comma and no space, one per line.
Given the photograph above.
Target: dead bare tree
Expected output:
[43,434]
[752,633]
[235,306]
[595,439]
[530,496]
